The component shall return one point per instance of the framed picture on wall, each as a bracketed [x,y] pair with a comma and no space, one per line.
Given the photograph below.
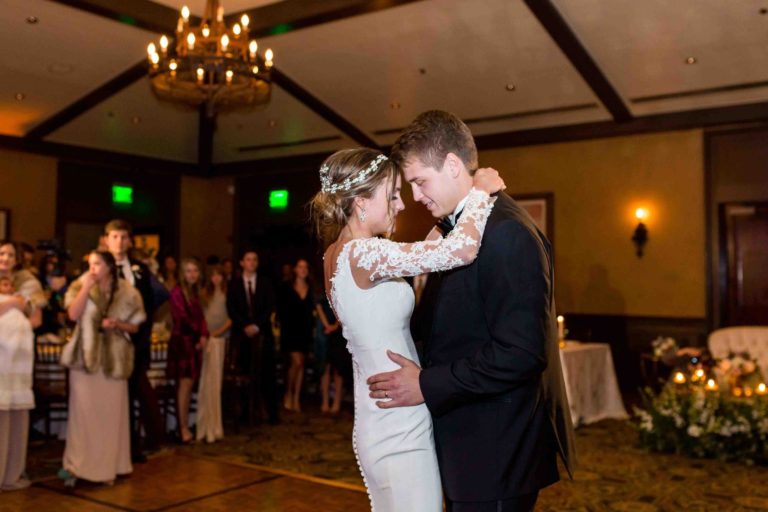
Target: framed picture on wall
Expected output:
[5,224]
[541,209]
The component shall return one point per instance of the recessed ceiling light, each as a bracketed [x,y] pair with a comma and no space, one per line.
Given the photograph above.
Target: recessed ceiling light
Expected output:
[32,20]
[510,87]
[272,123]
[395,105]
[60,68]
[135,119]
[691,60]
[763,11]
[20,96]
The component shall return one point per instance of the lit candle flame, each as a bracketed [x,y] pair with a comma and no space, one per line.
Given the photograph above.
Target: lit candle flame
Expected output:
[224,42]
[761,389]
[164,43]
[191,41]
[245,20]
[679,378]
[185,13]
[236,29]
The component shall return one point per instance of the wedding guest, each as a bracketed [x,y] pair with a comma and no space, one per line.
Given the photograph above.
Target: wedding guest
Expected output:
[338,361]
[100,359]
[250,304]
[169,272]
[16,359]
[209,423]
[226,268]
[54,284]
[119,242]
[188,339]
[295,311]
[28,258]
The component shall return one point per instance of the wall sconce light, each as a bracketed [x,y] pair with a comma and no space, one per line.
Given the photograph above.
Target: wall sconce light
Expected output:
[641,232]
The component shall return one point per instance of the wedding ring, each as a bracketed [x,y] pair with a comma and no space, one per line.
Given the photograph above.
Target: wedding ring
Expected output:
[386,394]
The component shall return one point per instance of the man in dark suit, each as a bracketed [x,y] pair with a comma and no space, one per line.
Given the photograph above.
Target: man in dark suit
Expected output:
[492,378]
[118,240]
[250,303]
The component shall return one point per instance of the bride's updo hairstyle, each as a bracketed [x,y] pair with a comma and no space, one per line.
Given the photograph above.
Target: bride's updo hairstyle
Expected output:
[345,175]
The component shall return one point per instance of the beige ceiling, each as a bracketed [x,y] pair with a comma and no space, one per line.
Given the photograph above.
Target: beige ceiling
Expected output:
[379,70]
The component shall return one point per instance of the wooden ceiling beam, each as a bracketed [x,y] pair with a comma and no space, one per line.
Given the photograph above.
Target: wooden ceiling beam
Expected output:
[562,34]
[143,14]
[97,156]
[90,100]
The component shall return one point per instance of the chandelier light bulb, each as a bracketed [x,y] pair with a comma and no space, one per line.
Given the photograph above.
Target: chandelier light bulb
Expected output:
[252,47]
[236,29]
[229,75]
[173,65]
[269,55]
[245,20]
[255,70]
[224,42]
[200,73]
[164,43]
[206,31]
[151,49]
[155,58]
[191,41]
[185,13]
[641,214]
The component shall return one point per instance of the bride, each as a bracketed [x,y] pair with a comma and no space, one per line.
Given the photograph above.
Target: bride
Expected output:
[358,201]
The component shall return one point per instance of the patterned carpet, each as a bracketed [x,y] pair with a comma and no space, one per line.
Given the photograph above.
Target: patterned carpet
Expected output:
[613,475]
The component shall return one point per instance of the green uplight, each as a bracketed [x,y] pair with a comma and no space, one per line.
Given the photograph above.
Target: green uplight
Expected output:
[278,199]
[122,194]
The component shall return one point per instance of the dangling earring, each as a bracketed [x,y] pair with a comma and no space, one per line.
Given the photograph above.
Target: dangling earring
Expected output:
[361,216]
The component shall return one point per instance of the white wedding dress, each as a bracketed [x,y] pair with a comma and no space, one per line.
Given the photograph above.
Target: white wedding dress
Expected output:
[395,447]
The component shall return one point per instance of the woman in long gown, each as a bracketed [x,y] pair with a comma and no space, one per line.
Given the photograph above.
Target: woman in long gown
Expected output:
[99,356]
[358,201]
[16,365]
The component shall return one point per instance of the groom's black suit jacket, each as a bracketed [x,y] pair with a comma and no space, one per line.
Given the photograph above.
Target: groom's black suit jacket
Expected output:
[492,378]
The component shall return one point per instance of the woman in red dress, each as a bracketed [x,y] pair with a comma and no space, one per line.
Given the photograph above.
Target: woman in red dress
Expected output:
[188,338]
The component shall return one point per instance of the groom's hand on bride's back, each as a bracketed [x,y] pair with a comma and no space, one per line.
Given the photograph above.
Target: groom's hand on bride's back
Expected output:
[399,388]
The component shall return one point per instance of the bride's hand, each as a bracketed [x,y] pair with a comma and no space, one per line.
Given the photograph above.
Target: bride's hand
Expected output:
[488,180]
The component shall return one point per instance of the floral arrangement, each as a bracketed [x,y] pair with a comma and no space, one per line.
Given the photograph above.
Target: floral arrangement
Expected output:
[662,346]
[693,416]
[738,371]
[665,349]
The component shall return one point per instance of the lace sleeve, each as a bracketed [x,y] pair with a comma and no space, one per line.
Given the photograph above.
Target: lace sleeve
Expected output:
[377,259]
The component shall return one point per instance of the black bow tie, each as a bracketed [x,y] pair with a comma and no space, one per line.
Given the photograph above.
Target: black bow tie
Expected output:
[446,226]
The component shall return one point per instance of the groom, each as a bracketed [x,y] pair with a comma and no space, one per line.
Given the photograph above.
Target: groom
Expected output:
[491,376]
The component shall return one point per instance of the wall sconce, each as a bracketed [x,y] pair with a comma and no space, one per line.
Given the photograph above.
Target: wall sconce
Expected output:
[641,232]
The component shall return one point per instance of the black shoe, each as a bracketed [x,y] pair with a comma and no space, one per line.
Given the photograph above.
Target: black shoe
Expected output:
[138,458]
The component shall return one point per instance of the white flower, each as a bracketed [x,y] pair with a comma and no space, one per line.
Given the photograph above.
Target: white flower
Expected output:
[694,430]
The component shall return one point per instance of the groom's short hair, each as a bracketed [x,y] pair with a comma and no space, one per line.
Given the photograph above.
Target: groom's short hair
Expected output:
[431,136]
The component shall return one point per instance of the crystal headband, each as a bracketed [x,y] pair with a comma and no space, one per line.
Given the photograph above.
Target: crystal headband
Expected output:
[328,188]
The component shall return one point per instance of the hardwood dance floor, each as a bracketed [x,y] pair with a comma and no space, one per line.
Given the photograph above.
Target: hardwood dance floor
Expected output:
[176,482]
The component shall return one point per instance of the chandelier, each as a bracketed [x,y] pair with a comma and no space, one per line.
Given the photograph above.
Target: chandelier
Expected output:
[211,64]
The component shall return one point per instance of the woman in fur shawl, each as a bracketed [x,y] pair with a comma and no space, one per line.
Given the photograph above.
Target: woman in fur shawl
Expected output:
[100,358]
[21,312]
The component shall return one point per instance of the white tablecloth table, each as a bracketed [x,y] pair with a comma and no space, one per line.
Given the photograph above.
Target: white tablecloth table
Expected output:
[590,382]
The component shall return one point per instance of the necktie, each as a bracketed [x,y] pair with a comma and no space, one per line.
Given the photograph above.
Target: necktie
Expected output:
[250,293]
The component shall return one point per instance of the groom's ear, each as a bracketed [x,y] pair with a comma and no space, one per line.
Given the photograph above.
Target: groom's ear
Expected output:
[453,165]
